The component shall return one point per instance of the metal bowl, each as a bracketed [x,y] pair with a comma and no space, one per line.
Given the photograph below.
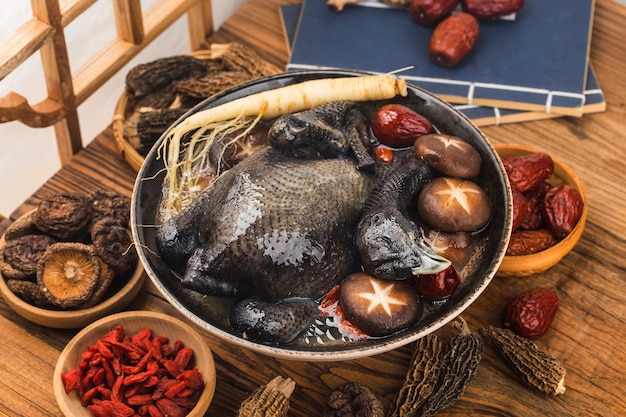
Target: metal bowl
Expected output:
[212,312]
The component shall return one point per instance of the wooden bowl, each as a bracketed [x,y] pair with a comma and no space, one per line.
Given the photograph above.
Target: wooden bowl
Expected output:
[541,261]
[73,319]
[133,321]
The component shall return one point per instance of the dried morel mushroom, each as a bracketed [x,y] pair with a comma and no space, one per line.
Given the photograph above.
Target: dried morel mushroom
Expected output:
[158,74]
[536,368]
[113,244]
[271,399]
[28,291]
[63,215]
[68,273]
[457,371]
[353,399]
[107,203]
[23,254]
[421,378]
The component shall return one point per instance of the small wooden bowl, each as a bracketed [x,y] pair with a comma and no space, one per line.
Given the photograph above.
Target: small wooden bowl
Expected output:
[132,322]
[541,261]
[73,319]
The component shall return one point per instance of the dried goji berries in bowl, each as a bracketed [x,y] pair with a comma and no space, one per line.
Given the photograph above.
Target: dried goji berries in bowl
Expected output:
[541,260]
[135,362]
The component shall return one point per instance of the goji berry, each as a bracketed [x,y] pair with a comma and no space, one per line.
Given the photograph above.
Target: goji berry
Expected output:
[170,408]
[172,367]
[140,399]
[183,357]
[192,378]
[71,380]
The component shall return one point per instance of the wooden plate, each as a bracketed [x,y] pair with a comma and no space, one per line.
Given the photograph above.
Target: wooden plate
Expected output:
[133,321]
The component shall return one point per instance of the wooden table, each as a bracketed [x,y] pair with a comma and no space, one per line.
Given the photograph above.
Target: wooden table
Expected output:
[587,335]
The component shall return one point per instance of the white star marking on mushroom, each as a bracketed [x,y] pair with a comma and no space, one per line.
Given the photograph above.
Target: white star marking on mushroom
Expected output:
[381,297]
[448,142]
[459,194]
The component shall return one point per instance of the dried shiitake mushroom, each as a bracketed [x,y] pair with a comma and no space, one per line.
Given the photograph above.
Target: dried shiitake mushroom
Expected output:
[107,203]
[28,291]
[113,244]
[24,225]
[68,273]
[107,275]
[63,215]
[23,254]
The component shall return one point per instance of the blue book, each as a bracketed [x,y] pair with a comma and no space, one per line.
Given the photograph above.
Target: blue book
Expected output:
[538,62]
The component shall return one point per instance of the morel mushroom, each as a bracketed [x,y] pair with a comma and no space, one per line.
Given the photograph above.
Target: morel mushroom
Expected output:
[68,273]
[271,399]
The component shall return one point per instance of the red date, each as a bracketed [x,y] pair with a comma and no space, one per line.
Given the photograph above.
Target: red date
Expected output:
[491,9]
[528,171]
[526,242]
[534,197]
[429,12]
[453,38]
[531,313]
[562,207]
[398,126]
[521,208]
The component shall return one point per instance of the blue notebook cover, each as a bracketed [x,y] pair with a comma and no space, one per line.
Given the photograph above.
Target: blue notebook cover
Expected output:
[538,62]
[480,115]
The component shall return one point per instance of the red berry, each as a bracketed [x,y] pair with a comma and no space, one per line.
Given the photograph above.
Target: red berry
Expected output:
[439,286]
[531,313]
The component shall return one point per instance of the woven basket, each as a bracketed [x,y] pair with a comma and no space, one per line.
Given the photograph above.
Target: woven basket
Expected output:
[130,154]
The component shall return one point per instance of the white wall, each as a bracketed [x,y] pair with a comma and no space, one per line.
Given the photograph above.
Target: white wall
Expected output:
[28,157]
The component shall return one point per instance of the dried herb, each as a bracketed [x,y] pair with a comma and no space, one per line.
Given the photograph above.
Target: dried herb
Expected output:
[536,368]
[421,378]
[353,399]
[268,400]
[458,369]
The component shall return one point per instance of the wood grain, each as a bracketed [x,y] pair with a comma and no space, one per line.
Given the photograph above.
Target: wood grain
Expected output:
[587,335]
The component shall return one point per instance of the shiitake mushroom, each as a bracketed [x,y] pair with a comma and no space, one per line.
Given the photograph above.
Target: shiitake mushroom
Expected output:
[449,155]
[68,273]
[454,205]
[379,307]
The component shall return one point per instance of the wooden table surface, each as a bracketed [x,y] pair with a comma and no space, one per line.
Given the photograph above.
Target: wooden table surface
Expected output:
[587,336]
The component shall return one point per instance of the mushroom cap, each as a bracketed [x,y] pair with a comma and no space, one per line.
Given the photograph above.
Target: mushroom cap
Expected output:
[68,273]
[454,205]
[449,155]
[378,307]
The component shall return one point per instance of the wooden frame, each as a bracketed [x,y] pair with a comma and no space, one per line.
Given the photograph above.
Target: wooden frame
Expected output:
[44,32]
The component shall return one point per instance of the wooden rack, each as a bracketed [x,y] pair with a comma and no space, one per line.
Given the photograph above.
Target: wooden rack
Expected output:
[66,90]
